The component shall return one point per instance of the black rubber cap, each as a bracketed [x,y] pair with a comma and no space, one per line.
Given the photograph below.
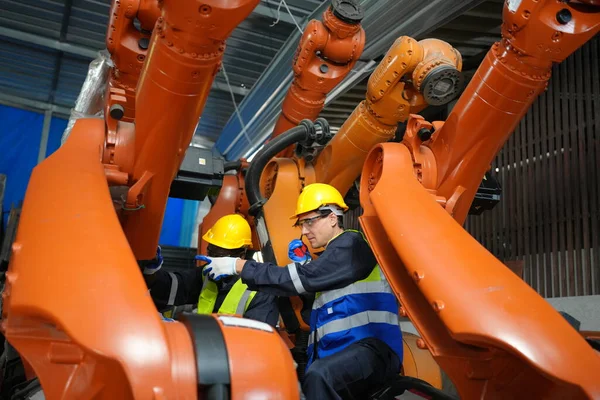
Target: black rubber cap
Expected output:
[348,11]
[442,85]
[144,43]
[117,111]
[564,16]
[424,134]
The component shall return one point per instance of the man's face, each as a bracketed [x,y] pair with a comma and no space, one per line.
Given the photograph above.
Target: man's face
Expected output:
[318,229]
[216,251]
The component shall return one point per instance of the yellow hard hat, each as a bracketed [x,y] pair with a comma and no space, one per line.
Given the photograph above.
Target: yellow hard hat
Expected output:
[317,195]
[229,232]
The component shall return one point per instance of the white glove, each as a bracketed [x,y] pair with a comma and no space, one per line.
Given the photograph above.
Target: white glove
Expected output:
[218,267]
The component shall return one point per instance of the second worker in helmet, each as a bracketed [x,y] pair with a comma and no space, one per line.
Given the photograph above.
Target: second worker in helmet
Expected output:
[355,342]
[175,291]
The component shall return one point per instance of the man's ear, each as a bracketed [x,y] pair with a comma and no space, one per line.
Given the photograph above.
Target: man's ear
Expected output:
[333,219]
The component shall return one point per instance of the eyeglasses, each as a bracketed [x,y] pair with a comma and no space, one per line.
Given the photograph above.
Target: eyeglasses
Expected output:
[308,222]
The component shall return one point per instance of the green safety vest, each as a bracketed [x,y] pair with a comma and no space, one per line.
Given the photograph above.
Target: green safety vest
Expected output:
[236,302]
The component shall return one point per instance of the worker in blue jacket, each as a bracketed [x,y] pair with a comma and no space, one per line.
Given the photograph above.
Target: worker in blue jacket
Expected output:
[355,342]
[190,290]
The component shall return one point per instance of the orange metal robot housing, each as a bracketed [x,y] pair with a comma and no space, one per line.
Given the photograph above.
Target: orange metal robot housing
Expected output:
[105,339]
[471,318]
[389,91]
[492,334]
[390,99]
[327,52]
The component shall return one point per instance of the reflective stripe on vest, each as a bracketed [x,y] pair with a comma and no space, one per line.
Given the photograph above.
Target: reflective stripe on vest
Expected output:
[174,287]
[366,308]
[375,284]
[355,321]
[172,296]
[236,302]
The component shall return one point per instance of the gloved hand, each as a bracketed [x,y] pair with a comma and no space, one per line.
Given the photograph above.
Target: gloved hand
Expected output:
[298,252]
[218,267]
[150,267]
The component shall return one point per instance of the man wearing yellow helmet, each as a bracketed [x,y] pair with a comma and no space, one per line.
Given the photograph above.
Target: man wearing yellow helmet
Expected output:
[230,236]
[355,343]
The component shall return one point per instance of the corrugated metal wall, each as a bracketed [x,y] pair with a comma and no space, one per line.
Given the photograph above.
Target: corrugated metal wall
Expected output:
[548,221]
[549,216]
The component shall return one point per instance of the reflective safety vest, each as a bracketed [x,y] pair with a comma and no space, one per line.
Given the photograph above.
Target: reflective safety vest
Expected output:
[363,309]
[236,302]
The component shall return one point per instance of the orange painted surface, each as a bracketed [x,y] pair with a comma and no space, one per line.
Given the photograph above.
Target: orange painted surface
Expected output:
[174,85]
[83,319]
[492,334]
[389,100]
[488,330]
[260,364]
[512,75]
[418,362]
[123,41]
[327,52]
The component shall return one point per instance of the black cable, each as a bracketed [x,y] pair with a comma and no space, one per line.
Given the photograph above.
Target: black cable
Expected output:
[297,134]
[231,165]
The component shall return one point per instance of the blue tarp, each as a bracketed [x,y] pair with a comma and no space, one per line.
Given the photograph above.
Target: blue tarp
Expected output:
[171,228]
[179,223]
[20,135]
[57,127]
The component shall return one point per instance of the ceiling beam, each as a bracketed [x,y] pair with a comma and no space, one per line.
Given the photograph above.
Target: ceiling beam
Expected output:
[201,141]
[86,52]
[268,12]
[242,91]
[68,6]
[53,44]
[35,105]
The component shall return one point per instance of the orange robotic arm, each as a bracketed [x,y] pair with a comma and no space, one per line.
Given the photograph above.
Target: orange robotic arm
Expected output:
[491,333]
[231,200]
[75,305]
[171,94]
[429,63]
[326,53]
[128,47]
[411,76]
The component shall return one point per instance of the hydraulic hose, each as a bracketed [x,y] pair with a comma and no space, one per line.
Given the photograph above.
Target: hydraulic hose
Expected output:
[297,134]
[304,135]
[231,165]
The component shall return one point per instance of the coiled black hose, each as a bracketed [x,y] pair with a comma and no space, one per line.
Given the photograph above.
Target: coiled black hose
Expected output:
[231,165]
[297,134]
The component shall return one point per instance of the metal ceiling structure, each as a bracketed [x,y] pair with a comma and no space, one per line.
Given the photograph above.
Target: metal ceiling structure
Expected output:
[472,33]
[472,26]
[47,45]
